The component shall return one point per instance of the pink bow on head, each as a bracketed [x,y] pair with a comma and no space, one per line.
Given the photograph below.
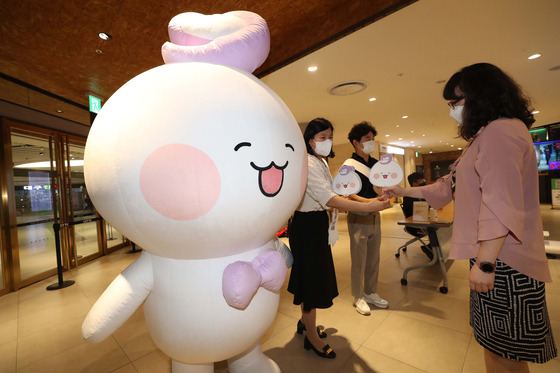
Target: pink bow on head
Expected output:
[241,280]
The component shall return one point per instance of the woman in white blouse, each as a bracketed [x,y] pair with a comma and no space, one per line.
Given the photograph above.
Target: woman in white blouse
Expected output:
[313,279]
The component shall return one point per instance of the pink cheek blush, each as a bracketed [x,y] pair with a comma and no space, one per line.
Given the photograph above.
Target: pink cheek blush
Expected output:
[394,175]
[180,182]
[338,186]
[376,176]
[352,185]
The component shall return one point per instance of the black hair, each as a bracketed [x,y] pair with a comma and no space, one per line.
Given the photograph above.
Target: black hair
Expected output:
[489,94]
[414,177]
[314,127]
[360,130]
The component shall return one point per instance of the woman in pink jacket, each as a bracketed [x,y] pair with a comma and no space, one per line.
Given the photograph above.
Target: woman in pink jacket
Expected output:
[497,222]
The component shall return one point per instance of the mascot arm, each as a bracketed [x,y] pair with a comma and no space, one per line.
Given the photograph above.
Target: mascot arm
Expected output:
[241,280]
[120,300]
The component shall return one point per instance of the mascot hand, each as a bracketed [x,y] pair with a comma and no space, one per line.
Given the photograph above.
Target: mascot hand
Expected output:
[241,280]
[121,299]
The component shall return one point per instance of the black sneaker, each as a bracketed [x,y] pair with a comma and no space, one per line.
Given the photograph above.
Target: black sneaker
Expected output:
[428,251]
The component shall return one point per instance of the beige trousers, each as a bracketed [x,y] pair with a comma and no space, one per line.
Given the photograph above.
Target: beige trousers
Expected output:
[365,242]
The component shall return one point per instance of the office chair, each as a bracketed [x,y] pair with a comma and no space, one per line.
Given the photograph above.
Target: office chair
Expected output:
[416,233]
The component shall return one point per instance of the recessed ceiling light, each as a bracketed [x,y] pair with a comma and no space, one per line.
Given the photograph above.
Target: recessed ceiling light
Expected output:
[59,111]
[105,36]
[412,142]
[534,56]
[386,135]
[452,146]
[412,131]
[535,112]
[397,125]
[419,146]
[400,138]
[372,99]
[459,148]
[98,51]
[312,68]
[405,116]
[424,134]
[431,151]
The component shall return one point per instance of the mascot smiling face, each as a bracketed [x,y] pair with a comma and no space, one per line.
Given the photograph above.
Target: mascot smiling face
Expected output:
[195,160]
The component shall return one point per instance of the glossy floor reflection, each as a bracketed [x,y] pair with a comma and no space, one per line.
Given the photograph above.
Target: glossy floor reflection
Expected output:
[421,331]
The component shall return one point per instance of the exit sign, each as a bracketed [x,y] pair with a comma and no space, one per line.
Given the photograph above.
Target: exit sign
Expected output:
[94,104]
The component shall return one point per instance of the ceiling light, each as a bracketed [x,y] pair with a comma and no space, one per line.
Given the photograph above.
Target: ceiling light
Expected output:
[394,150]
[59,111]
[431,151]
[386,135]
[412,142]
[98,51]
[452,145]
[312,68]
[424,134]
[419,146]
[372,99]
[459,148]
[405,116]
[535,56]
[412,131]
[400,138]
[397,125]
[47,164]
[105,36]
[350,87]
[535,112]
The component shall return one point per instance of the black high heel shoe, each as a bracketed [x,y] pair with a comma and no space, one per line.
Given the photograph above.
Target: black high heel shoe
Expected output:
[301,328]
[326,353]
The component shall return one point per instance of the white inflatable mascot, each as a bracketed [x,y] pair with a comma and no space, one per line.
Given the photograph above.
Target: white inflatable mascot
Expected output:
[200,164]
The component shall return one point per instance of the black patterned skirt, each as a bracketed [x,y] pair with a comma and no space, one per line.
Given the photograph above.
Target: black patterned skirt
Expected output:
[512,320]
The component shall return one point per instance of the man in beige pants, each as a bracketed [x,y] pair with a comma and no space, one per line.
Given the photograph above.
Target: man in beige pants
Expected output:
[364,229]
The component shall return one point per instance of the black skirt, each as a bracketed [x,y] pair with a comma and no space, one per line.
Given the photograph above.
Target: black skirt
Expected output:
[313,278]
[512,319]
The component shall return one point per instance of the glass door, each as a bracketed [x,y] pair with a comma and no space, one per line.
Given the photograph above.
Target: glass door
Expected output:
[35,193]
[44,184]
[85,235]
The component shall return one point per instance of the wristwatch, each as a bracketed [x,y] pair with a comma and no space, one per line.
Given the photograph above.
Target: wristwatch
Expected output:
[486,267]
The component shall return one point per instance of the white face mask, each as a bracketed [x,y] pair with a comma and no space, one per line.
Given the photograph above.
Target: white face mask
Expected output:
[457,114]
[369,147]
[323,148]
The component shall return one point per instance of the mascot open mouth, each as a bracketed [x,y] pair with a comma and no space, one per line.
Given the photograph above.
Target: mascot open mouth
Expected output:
[271,178]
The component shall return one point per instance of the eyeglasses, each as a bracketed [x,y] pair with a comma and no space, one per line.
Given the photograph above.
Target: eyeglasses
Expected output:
[452,104]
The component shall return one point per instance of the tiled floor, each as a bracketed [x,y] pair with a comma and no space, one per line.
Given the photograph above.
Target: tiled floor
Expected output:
[421,331]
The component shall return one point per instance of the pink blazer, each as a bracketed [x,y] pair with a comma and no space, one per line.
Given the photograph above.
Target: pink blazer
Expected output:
[496,194]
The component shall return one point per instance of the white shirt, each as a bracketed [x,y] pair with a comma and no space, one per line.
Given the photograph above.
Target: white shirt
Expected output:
[319,189]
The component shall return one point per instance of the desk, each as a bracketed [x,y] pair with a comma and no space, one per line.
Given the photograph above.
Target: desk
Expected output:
[431,227]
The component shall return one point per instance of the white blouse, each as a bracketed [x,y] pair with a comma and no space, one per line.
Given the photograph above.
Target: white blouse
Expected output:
[319,189]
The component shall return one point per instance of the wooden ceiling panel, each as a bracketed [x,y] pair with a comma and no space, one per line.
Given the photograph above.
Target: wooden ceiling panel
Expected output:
[52,45]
